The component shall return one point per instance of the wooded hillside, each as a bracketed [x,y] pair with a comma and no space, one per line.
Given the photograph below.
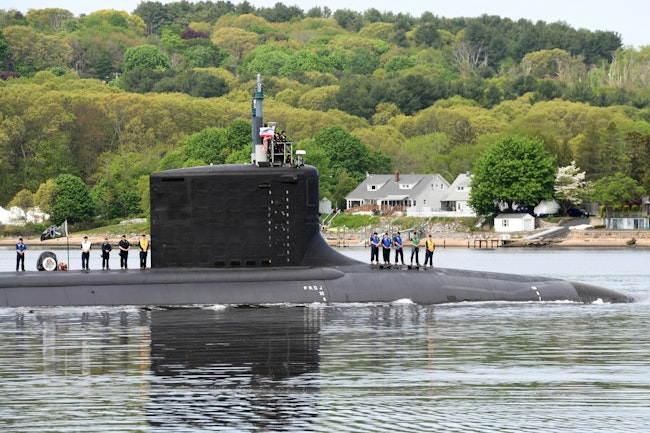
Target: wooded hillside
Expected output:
[112,96]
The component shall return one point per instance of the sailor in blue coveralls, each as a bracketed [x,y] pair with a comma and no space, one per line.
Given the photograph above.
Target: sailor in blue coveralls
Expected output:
[374,248]
[386,243]
[399,251]
[20,254]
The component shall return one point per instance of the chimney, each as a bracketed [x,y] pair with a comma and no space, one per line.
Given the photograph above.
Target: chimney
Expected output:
[397,176]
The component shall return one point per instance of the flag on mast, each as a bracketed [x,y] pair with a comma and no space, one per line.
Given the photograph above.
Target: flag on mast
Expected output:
[55,231]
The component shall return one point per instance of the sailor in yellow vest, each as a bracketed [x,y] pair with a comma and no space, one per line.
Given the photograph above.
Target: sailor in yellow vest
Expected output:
[428,254]
[144,248]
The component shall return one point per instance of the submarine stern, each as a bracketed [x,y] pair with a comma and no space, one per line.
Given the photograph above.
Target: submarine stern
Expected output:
[590,293]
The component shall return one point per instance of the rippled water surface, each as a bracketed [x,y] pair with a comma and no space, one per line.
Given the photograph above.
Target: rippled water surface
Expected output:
[491,367]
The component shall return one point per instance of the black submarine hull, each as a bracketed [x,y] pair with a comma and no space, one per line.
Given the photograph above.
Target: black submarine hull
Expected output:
[358,283]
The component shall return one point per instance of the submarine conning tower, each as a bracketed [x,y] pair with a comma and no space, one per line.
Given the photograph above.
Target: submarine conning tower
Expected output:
[263,214]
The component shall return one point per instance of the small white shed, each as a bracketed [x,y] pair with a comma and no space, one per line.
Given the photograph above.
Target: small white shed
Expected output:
[325,206]
[514,222]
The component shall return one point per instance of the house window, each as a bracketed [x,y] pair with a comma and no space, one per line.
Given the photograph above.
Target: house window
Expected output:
[505,222]
[424,202]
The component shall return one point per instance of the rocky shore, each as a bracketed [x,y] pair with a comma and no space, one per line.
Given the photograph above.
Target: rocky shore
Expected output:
[574,238]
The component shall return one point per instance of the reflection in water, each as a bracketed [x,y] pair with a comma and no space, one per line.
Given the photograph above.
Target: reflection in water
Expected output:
[235,368]
[69,370]
[354,368]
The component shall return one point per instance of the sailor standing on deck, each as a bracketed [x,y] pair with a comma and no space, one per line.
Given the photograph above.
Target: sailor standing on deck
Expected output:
[415,248]
[386,243]
[428,254]
[85,253]
[20,254]
[374,248]
[106,254]
[124,252]
[144,248]
[399,251]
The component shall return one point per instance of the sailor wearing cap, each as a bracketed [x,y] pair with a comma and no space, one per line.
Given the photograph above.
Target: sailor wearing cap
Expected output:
[20,254]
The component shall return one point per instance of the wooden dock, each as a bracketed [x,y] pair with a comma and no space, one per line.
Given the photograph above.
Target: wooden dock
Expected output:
[488,242]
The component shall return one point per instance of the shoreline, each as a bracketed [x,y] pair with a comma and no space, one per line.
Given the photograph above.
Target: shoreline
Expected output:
[73,240]
[583,238]
[574,239]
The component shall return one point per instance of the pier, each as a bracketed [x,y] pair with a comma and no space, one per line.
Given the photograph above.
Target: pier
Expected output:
[488,242]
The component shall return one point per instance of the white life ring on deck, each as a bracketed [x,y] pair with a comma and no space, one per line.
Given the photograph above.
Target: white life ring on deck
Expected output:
[49,264]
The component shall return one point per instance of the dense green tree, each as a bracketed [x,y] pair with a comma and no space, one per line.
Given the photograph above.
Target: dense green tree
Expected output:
[199,84]
[348,19]
[143,80]
[237,42]
[617,190]
[32,51]
[45,196]
[637,158]
[427,34]
[145,57]
[5,53]
[280,13]
[155,15]
[73,202]
[357,96]
[202,54]
[399,63]
[116,193]
[48,21]
[265,59]
[515,171]
[348,153]
[362,62]
[238,134]
[24,199]
[211,146]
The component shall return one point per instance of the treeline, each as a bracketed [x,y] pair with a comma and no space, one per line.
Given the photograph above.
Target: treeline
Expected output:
[110,97]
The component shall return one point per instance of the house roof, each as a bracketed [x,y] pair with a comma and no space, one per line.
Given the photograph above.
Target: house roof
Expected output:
[389,189]
[459,189]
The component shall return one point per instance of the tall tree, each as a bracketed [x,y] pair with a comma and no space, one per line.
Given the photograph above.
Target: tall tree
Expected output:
[516,170]
[347,152]
[616,190]
[570,186]
[72,200]
[145,57]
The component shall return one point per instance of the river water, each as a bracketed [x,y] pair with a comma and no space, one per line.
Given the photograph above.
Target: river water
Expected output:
[468,367]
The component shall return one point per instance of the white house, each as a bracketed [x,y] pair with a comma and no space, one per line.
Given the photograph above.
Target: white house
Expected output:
[458,195]
[18,217]
[416,194]
[514,222]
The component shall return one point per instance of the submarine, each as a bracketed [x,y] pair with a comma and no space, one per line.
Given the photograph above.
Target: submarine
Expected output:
[249,234]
